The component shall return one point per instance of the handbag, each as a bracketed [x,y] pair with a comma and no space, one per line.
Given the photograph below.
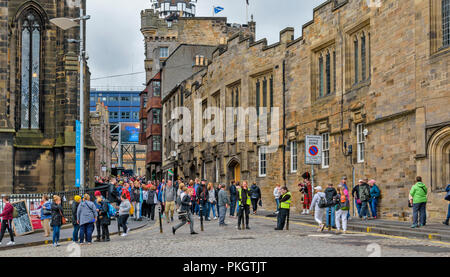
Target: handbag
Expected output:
[358,201]
[63,219]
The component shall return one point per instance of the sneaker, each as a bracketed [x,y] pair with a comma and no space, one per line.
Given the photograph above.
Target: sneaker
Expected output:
[307,211]
[239,228]
[322,227]
[124,235]
[11,243]
[248,228]
[173,230]
[445,223]
[414,226]
[194,233]
[215,218]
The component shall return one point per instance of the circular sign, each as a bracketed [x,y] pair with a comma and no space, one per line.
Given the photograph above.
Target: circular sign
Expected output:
[313,150]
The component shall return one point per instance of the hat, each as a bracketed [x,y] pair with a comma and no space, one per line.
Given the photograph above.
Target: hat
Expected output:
[306,175]
[98,193]
[318,188]
[372,181]
[360,181]
[77,198]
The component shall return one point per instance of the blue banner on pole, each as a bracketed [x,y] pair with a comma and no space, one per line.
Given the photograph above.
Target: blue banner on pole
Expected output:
[218,9]
[78,154]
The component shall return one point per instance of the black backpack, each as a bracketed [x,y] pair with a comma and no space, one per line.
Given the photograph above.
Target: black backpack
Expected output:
[323,202]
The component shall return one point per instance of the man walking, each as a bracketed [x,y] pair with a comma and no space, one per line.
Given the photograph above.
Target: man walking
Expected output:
[223,202]
[244,206]
[185,212]
[255,193]
[169,200]
[418,198]
[285,205]
[330,196]
[364,196]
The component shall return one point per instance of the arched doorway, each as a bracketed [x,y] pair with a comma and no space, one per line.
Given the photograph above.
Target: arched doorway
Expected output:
[234,170]
[439,150]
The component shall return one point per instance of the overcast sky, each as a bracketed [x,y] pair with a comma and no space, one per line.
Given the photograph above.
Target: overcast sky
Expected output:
[115,44]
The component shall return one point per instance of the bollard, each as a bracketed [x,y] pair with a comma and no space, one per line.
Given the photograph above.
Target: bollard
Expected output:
[160,221]
[201,218]
[287,223]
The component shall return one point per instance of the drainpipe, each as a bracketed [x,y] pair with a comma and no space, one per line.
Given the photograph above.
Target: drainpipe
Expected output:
[284,122]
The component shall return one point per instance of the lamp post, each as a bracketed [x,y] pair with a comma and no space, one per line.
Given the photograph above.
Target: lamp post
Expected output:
[65,24]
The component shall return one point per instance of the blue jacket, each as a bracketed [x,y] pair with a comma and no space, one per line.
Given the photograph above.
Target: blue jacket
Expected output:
[48,206]
[374,191]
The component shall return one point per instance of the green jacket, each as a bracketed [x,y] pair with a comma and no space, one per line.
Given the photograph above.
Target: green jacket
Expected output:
[419,193]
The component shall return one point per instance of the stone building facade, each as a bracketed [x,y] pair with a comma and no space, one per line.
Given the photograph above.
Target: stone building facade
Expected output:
[371,80]
[39,88]
[101,134]
[169,24]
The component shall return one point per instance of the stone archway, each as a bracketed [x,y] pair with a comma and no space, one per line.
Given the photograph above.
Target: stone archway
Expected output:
[234,170]
[439,153]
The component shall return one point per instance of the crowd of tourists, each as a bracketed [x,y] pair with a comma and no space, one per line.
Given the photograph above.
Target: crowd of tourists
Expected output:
[139,199]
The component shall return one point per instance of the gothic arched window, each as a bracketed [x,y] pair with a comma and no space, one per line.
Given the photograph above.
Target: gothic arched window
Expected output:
[30,70]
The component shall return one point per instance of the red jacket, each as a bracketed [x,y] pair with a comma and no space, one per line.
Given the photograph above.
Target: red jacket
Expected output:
[7,213]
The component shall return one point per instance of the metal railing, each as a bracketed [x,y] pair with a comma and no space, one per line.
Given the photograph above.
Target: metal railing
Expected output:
[67,197]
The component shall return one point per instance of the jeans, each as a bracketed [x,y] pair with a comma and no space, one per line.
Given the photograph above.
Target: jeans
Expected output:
[222,214]
[105,231]
[76,232]
[123,222]
[56,230]
[209,207]
[373,206]
[281,219]
[364,209]
[448,213]
[7,224]
[86,231]
[420,208]
[99,229]
[254,204]
[196,208]
[358,208]
[152,211]
[232,207]
[278,204]
[331,210]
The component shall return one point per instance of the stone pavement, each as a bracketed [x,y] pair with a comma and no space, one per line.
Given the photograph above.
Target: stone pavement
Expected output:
[38,238]
[432,231]
[261,241]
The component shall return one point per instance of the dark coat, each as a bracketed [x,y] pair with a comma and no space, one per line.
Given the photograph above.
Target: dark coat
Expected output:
[75,205]
[202,194]
[57,211]
[185,203]
[330,194]
[233,193]
[151,197]
[255,192]
[103,213]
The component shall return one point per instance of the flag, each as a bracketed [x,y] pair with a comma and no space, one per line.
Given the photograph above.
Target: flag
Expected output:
[217,9]
[170,172]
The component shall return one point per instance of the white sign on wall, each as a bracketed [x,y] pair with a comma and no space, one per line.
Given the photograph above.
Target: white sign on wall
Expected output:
[313,150]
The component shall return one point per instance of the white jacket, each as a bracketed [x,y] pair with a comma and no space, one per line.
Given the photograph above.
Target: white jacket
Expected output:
[276,192]
[316,200]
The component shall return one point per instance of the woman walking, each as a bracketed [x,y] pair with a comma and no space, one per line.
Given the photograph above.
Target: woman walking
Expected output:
[7,217]
[151,202]
[87,215]
[318,199]
[46,214]
[57,218]
[124,213]
[76,226]
[211,203]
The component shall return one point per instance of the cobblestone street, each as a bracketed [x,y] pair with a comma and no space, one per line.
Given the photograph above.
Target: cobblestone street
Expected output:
[262,240]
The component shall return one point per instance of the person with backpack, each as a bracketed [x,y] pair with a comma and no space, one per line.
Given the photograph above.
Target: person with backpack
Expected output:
[418,199]
[330,212]
[355,195]
[342,209]
[202,198]
[98,206]
[447,197]
[7,217]
[104,217]
[57,219]
[255,195]
[151,202]
[374,195]
[86,216]
[76,226]
[364,196]
[319,203]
